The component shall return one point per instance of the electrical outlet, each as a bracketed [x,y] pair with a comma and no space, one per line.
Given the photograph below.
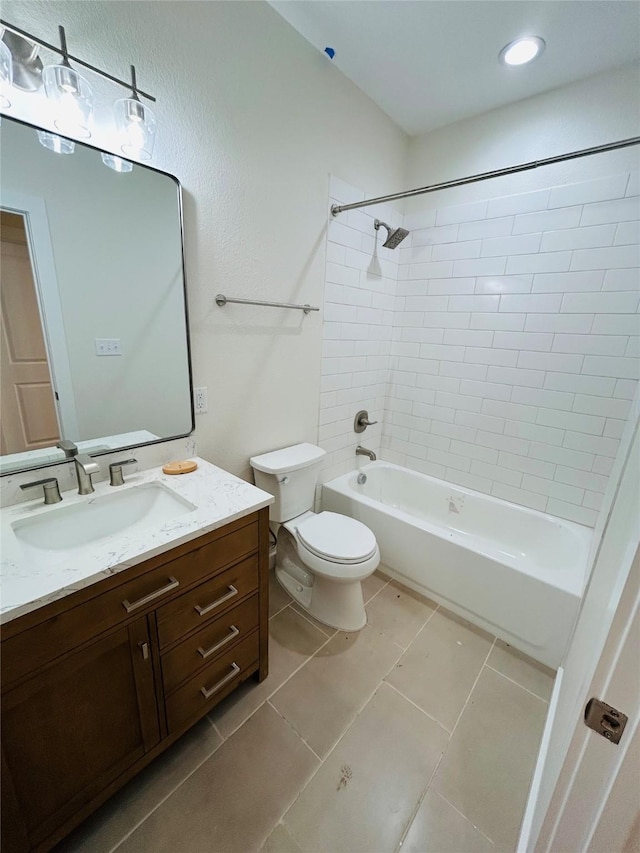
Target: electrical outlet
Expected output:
[108,346]
[201,400]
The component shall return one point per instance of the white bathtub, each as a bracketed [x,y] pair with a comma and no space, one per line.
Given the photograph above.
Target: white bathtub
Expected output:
[515,572]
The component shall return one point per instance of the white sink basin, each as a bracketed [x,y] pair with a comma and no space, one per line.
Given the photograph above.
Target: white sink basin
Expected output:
[53,533]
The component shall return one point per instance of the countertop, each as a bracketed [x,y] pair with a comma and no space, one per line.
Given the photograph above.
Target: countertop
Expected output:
[219,498]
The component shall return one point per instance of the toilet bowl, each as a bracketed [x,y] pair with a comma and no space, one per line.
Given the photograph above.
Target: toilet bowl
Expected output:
[321,558]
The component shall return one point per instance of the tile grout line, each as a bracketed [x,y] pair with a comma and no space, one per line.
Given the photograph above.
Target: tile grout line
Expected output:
[422,711]
[517,683]
[438,794]
[473,686]
[293,729]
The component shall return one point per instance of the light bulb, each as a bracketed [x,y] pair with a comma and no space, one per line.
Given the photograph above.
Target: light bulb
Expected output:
[6,75]
[71,98]
[521,51]
[56,143]
[116,163]
[136,128]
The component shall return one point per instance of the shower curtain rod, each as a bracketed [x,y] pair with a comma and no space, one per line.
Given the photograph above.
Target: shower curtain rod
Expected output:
[483,176]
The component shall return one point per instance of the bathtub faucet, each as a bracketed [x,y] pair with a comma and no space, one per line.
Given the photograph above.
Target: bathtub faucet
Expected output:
[362,451]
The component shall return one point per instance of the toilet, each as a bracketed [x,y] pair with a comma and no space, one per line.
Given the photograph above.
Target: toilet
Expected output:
[321,558]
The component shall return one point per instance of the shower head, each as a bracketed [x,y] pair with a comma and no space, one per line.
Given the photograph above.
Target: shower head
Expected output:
[394,236]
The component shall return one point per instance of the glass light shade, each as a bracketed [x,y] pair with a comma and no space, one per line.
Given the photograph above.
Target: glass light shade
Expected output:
[136,128]
[6,75]
[116,163]
[71,98]
[56,143]
[522,50]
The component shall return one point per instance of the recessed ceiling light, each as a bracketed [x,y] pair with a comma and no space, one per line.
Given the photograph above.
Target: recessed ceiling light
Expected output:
[521,51]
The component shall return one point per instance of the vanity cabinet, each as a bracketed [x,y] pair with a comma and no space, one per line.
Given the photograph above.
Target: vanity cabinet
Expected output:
[97,684]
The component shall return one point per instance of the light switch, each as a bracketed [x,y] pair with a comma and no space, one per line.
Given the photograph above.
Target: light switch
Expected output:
[108,346]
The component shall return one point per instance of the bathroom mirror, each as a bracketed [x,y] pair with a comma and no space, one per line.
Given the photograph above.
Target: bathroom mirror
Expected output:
[94,332]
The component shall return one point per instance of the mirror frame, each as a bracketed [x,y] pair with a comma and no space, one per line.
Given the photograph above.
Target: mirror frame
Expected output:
[137,165]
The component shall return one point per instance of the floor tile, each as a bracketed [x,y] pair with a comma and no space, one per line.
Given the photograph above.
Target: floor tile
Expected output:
[126,809]
[364,794]
[278,597]
[532,675]
[236,797]
[439,828]
[280,841]
[372,585]
[292,640]
[399,613]
[322,699]
[441,665]
[326,629]
[487,768]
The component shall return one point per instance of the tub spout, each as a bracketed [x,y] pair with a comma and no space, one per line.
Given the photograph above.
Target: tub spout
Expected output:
[362,451]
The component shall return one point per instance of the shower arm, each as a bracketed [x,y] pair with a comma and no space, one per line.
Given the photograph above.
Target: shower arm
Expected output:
[485,176]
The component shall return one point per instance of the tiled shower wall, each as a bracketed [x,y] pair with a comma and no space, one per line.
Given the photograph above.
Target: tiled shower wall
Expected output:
[514,342]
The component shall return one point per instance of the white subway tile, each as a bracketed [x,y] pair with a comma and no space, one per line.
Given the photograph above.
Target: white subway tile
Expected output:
[414,255]
[423,336]
[455,251]
[438,383]
[479,266]
[430,439]
[520,203]
[468,337]
[522,244]
[519,496]
[435,269]
[620,368]
[627,233]
[344,236]
[335,253]
[427,467]
[461,213]
[473,303]
[409,319]
[470,481]
[586,237]
[625,389]
[633,187]
[463,370]
[419,219]
[516,376]
[543,397]
[441,352]
[340,274]
[486,228]
[547,220]
[429,236]
[616,324]
[526,464]
[593,500]
[499,284]
[547,262]
[490,390]
[510,444]
[514,411]
[442,457]
[590,344]
[582,479]
[623,279]
[534,432]
[597,444]
[486,355]
[610,258]
[451,286]
[530,303]
[357,260]
[614,428]
[594,385]
[605,407]
[568,282]
[335,349]
[417,365]
[340,313]
[334,382]
[426,303]
[399,348]
[444,320]
[497,473]
[458,401]
[453,431]
[437,413]
[571,421]
[533,341]
[579,514]
[358,219]
[560,456]
[475,451]
[474,420]
[414,450]
[343,192]
[553,489]
[602,465]
[500,321]
[560,362]
[331,331]
[416,287]
[621,210]
[598,189]
[559,323]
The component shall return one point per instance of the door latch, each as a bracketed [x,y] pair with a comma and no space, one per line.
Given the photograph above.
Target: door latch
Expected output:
[605,720]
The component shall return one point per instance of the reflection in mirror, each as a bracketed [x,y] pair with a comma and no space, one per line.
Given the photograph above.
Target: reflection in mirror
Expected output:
[94,338]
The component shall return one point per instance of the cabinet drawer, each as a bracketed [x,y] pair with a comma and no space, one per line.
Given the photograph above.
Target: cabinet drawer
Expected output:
[44,642]
[197,696]
[204,603]
[209,643]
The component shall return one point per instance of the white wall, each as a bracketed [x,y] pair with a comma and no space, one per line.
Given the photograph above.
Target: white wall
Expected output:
[252,120]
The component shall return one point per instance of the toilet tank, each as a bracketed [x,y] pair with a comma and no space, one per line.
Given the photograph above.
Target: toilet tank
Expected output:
[290,475]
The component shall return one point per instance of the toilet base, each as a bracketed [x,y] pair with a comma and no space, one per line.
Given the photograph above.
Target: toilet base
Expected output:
[338,605]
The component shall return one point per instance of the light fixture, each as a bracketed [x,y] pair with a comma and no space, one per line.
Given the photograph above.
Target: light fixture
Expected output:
[70,95]
[6,75]
[59,144]
[116,163]
[522,50]
[136,124]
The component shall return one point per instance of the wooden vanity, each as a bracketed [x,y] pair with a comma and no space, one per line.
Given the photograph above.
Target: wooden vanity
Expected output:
[97,684]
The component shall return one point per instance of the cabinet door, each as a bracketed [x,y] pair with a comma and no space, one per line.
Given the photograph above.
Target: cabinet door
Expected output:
[77,725]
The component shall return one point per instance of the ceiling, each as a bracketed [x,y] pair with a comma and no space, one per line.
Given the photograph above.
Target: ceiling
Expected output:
[428,63]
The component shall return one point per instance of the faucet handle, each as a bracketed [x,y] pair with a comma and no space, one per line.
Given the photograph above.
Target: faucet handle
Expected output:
[50,487]
[69,448]
[115,471]
[361,421]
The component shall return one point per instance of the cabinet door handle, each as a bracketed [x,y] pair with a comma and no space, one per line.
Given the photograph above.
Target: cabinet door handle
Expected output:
[235,669]
[128,606]
[202,610]
[144,648]
[233,633]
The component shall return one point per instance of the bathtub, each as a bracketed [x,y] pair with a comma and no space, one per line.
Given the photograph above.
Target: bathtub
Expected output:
[515,572]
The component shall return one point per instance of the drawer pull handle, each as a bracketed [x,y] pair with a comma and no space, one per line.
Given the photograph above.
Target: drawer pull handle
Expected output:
[233,633]
[235,669]
[203,610]
[128,606]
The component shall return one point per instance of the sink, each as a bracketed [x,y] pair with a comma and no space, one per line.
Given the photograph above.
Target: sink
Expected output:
[55,532]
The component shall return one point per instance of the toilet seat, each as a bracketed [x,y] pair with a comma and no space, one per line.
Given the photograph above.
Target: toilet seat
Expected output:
[336,538]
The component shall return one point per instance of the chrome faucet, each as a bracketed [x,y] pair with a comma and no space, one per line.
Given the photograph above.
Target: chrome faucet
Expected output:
[362,451]
[85,466]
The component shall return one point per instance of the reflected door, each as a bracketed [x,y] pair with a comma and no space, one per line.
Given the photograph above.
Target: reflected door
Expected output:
[28,417]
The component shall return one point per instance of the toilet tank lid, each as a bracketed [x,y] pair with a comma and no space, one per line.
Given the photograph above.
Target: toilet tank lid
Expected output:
[288,459]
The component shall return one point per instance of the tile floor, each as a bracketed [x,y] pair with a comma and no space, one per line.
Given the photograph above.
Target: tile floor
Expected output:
[419,733]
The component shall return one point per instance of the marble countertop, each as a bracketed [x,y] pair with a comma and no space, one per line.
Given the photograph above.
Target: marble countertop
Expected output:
[26,584]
